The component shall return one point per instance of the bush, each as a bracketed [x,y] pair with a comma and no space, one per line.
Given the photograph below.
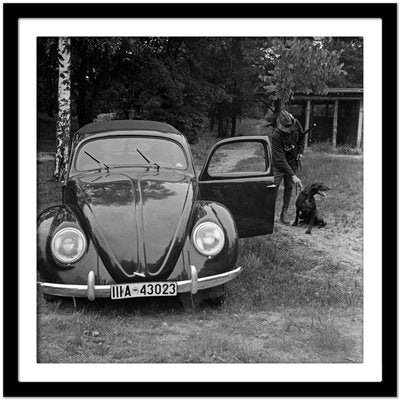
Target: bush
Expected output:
[349,150]
[188,121]
[322,147]
[326,147]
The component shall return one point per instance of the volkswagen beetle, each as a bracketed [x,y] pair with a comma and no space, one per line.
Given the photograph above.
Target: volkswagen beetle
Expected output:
[135,221]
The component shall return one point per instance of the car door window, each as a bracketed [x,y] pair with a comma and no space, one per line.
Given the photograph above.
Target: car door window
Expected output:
[236,158]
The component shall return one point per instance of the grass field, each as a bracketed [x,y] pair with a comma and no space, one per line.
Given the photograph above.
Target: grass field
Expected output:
[299,298]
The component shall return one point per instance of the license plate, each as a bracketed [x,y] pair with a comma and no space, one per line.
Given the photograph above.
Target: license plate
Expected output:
[149,289]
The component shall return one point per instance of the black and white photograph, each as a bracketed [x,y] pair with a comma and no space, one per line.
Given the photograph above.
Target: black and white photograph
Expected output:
[205,194]
[204,202]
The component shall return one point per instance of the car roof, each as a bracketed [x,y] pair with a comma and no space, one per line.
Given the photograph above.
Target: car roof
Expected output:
[123,125]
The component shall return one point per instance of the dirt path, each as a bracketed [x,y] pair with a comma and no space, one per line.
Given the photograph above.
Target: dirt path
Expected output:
[328,246]
[228,159]
[335,247]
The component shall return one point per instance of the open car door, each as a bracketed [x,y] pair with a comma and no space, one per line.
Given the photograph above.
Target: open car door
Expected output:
[238,174]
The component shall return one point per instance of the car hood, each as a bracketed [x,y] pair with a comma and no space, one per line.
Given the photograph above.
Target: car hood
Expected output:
[138,220]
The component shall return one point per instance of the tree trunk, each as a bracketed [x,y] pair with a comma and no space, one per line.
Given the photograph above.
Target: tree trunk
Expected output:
[84,108]
[277,106]
[83,93]
[227,121]
[63,127]
[212,119]
[233,118]
[221,132]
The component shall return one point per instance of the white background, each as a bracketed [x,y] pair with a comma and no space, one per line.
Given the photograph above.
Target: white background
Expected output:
[369,370]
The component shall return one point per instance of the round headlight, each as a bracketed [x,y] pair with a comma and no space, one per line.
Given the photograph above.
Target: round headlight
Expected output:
[68,245]
[208,238]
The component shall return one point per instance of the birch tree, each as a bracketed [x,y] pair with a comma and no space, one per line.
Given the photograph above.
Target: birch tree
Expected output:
[63,127]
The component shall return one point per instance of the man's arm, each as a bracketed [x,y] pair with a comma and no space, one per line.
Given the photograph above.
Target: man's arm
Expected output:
[278,157]
[280,162]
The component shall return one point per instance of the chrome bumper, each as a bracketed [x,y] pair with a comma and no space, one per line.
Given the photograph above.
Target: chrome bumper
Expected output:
[92,291]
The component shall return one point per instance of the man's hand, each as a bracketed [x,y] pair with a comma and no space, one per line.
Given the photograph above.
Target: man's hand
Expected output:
[297,181]
[299,157]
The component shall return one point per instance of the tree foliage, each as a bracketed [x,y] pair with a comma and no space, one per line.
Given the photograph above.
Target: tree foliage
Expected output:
[194,81]
[47,75]
[300,66]
[92,62]
[351,56]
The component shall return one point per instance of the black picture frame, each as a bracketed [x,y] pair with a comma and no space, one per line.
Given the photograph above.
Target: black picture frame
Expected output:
[12,13]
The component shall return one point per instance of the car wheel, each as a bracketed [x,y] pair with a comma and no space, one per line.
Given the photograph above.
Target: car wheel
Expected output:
[216,301]
[190,301]
[50,298]
[214,297]
[217,296]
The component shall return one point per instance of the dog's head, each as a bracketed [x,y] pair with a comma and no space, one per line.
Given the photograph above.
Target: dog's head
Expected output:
[316,188]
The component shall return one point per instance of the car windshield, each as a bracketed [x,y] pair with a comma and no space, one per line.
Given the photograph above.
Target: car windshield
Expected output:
[130,151]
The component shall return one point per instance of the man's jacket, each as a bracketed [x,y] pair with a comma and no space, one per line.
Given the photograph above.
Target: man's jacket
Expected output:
[285,148]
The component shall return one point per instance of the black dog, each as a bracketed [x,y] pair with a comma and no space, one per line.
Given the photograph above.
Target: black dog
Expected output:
[306,208]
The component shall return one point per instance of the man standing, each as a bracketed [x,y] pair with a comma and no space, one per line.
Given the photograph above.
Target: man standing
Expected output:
[288,141]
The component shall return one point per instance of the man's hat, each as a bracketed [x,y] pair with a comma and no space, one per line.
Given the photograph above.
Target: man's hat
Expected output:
[284,121]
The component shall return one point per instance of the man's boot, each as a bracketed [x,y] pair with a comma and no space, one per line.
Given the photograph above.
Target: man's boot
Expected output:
[284,217]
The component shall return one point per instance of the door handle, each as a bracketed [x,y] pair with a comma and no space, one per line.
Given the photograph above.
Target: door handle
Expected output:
[271,186]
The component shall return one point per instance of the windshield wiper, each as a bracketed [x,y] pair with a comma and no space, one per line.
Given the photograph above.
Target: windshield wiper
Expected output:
[151,162]
[98,162]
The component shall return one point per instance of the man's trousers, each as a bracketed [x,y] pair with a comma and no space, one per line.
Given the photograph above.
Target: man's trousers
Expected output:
[288,186]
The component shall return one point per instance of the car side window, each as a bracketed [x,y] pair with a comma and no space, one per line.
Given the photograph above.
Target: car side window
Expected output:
[243,157]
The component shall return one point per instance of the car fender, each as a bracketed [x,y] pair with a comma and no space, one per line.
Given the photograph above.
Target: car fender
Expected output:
[49,222]
[225,260]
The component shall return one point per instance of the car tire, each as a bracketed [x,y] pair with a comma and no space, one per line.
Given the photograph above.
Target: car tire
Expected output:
[190,301]
[217,296]
[213,297]
[216,301]
[49,298]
